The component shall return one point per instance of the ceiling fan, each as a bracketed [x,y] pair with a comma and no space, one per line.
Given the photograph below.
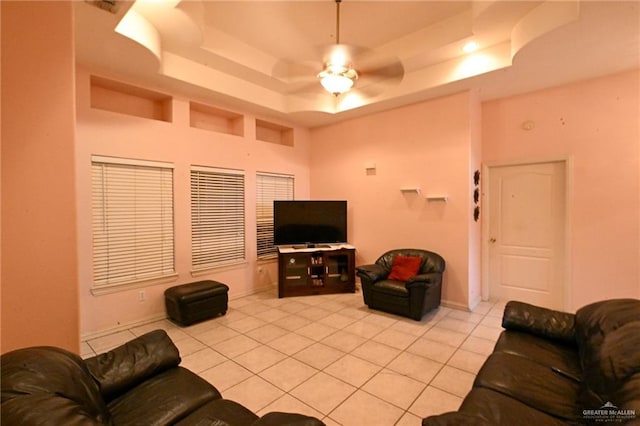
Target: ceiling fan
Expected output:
[374,72]
[338,76]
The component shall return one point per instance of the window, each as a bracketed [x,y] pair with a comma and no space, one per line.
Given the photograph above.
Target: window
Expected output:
[217,217]
[269,187]
[132,221]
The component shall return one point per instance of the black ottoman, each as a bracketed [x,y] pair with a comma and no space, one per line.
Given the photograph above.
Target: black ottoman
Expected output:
[190,303]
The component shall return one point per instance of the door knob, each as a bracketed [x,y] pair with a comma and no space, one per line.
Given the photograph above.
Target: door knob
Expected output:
[492,240]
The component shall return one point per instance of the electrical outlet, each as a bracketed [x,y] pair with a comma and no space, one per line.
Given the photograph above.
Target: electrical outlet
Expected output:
[142,296]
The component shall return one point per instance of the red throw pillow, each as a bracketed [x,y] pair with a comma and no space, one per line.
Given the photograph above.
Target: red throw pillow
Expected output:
[404,267]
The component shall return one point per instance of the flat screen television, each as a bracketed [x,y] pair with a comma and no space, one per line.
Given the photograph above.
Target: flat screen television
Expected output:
[309,222]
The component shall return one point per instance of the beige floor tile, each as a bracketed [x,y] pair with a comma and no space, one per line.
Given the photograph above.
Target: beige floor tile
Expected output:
[489,321]
[216,335]
[344,341]
[453,380]
[267,333]
[352,370]
[254,308]
[246,324]
[364,329]
[188,346]
[456,325]
[288,373]
[290,343]
[202,360]
[375,352]
[110,341]
[478,345]
[445,335]
[316,331]
[431,349]
[415,328]
[362,408]
[467,361]
[357,312]
[337,320]
[226,375]
[231,316]
[319,355]
[394,387]
[314,313]
[259,358]
[396,339]
[332,305]
[323,392]
[489,333]
[409,419]
[293,307]
[202,327]
[292,322]
[236,346]
[272,315]
[472,317]
[434,401]
[416,367]
[380,318]
[255,393]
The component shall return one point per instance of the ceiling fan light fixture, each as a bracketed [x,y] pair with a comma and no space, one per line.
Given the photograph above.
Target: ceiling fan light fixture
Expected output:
[337,79]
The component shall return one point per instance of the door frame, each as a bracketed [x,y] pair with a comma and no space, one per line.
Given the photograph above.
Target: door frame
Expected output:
[485,222]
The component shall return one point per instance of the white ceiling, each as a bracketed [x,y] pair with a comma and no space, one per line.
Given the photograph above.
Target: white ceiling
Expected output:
[263,56]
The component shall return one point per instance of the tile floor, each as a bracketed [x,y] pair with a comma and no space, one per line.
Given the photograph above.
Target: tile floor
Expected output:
[331,357]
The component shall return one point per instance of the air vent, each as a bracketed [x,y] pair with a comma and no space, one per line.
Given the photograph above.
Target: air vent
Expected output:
[108,5]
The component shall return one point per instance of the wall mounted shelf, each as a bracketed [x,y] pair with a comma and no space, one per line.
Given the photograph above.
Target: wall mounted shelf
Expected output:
[442,198]
[410,190]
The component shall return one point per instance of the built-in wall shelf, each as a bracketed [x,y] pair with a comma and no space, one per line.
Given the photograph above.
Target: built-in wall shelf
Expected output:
[410,190]
[274,133]
[123,98]
[215,119]
[442,198]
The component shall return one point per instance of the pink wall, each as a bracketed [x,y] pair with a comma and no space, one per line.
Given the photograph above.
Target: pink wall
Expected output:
[107,133]
[432,145]
[39,263]
[595,123]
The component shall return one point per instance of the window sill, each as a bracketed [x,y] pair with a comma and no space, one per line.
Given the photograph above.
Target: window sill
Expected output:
[218,268]
[115,288]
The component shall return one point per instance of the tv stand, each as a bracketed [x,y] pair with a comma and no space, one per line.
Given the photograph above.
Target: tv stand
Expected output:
[311,245]
[321,269]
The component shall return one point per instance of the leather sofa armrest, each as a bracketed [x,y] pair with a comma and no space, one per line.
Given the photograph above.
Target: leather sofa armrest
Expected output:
[455,419]
[543,322]
[372,272]
[288,419]
[132,363]
[424,279]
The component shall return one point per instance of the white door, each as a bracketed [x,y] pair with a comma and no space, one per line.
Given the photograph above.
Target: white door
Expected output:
[526,233]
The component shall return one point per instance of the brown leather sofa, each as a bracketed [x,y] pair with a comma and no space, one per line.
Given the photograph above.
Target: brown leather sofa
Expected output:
[138,383]
[411,298]
[557,368]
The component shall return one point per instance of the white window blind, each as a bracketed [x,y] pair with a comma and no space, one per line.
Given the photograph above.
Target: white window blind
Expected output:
[132,221]
[217,217]
[269,187]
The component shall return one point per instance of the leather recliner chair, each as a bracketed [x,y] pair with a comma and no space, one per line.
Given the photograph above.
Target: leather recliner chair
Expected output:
[411,298]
